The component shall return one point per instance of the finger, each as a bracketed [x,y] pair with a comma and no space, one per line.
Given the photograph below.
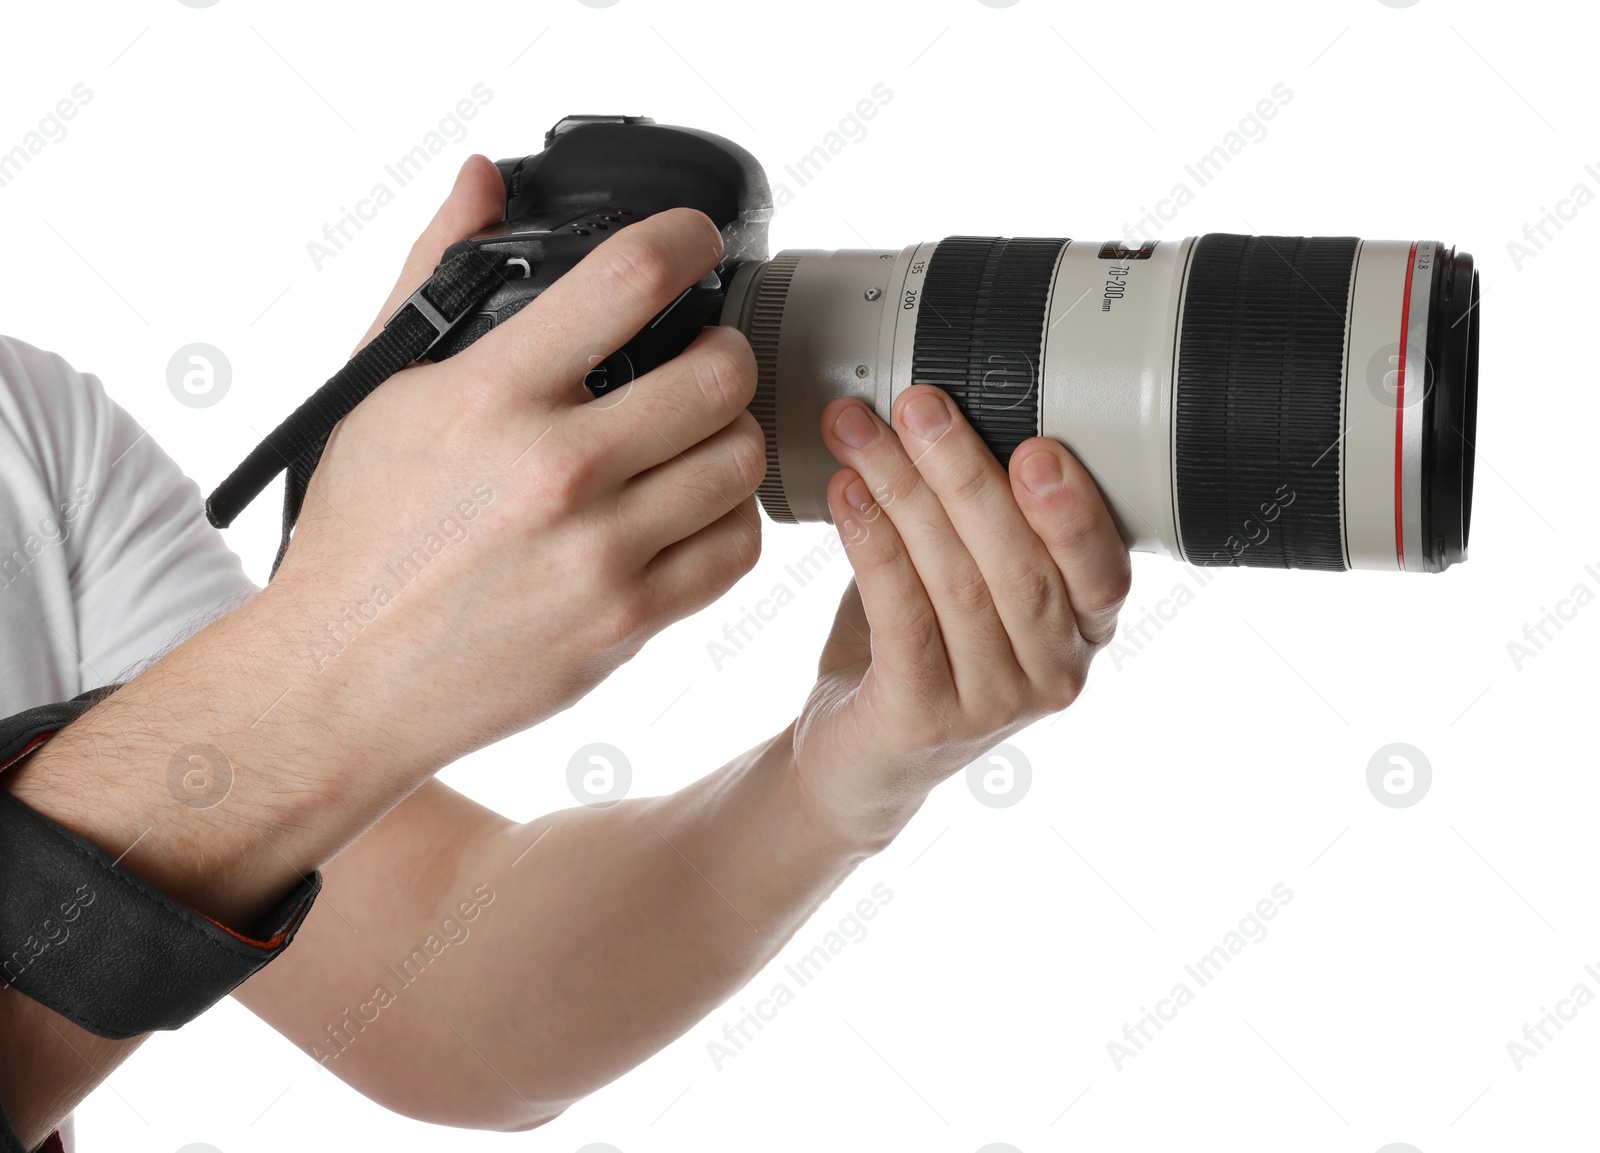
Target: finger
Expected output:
[1061,502]
[1027,587]
[973,635]
[599,305]
[685,577]
[477,200]
[904,628]
[669,409]
[700,485]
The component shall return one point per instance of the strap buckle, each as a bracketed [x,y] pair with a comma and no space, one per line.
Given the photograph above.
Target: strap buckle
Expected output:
[441,324]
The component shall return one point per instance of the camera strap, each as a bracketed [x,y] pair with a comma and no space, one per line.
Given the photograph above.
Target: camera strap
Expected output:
[296,445]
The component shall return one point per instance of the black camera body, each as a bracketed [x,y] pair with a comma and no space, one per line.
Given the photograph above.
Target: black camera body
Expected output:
[598,174]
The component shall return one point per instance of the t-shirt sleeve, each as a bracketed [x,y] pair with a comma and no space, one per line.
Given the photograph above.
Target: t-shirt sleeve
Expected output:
[113,517]
[106,558]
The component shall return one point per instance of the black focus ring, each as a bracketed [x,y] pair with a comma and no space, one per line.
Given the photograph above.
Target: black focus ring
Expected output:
[980,331]
[1260,389]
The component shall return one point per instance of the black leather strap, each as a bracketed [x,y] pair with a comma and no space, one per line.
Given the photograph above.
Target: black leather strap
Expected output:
[92,941]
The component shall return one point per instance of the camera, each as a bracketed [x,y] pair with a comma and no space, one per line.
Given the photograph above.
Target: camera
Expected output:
[1274,401]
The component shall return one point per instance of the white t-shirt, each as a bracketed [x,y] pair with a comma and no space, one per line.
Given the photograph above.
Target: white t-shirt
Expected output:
[106,558]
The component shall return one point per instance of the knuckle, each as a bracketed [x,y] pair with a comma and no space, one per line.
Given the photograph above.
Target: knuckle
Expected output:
[725,380]
[704,497]
[1020,701]
[921,627]
[741,357]
[625,621]
[684,217]
[730,556]
[873,549]
[968,474]
[477,389]
[1075,525]
[931,730]
[919,631]
[1100,630]
[899,481]
[478,394]
[711,228]
[568,485]
[1102,603]
[748,453]
[1118,586]
[1064,690]
[1035,587]
[503,520]
[1000,701]
[564,478]
[1122,582]
[639,268]
[965,590]
[745,547]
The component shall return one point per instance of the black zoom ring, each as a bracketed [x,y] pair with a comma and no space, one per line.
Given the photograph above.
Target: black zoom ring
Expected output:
[1259,395]
[980,331]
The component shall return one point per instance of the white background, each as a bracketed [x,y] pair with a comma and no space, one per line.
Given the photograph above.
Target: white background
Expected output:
[1228,756]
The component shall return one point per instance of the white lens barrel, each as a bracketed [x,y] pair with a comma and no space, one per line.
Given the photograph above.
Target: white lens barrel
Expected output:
[1305,389]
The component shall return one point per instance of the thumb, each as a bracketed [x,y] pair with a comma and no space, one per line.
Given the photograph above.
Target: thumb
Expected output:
[477,200]
[850,640]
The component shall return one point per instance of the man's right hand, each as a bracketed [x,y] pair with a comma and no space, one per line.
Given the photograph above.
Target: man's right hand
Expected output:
[481,544]
[484,541]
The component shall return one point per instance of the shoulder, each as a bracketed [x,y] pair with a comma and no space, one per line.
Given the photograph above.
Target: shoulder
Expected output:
[51,415]
[126,532]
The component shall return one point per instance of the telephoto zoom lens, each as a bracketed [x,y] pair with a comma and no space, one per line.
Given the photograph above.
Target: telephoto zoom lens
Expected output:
[1276,401]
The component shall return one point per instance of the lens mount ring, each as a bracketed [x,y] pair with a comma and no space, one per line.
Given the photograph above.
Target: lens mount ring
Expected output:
[763,326]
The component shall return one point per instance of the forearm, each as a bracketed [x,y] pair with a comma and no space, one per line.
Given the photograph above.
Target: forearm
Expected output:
[51,1065]
[298,792]
[607,932]
[299,775]
[640,919]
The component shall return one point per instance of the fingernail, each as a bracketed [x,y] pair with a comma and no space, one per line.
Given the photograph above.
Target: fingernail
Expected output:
[926,416]
[857,496]
[1041,473]
[855,427]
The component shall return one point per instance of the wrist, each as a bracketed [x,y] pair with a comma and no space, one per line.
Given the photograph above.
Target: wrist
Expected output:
[207,778]
[862,827]
[328,723]
[753,837]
